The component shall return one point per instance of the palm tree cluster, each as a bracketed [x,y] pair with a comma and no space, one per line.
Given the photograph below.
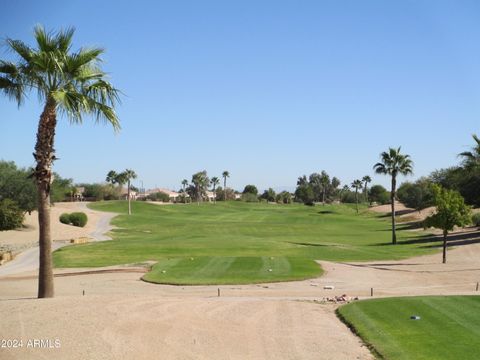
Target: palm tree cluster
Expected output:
[200,183]
[67,83]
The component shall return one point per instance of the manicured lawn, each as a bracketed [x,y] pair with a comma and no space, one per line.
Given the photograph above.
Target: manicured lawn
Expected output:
[239,242]
[449,327]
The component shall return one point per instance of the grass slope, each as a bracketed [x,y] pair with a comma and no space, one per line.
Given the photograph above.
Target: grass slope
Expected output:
[449,327]
[237,242]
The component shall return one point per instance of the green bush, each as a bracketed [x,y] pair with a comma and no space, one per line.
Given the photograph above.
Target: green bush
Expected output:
[476,219]
[65,219]
[11,216]
[249,197]
[159,196]
[78,219]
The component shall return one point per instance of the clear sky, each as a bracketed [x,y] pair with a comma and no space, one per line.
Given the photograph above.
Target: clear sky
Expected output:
[268,90]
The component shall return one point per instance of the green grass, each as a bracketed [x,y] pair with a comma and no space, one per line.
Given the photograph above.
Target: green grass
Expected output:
[449,327]
[237,242]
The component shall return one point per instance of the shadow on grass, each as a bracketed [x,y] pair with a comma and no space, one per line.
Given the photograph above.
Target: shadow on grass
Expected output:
[471,236]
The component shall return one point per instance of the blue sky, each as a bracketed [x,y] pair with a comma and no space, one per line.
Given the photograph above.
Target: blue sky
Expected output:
[269,90]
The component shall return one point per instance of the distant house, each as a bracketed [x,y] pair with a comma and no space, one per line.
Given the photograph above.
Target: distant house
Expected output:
[124,194]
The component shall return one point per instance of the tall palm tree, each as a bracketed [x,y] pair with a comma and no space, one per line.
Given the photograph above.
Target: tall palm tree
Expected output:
[325,183]
[214,181]
[357,185]
[366,179]
[67,83]
[225,175]
[184,183]
[128,175]
[471,159]
[393,163]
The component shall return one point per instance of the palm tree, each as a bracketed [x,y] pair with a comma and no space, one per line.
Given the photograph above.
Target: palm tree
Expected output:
[68,83]
[357,185]
[393,163]
[200,182]
[366,179]
[127,176]
[471,159]
[343,190]
[214,181]
[111,177]
[184,183]
[325,183]
[225,175]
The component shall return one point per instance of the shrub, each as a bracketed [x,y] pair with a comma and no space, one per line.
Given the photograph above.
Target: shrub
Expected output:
[78,219]
[249,197]
[476,219]
[11,216]
[159,196]
[65,219]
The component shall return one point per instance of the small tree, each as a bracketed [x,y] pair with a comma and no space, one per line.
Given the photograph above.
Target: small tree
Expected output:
[268,195]
[250,189]
[451,211]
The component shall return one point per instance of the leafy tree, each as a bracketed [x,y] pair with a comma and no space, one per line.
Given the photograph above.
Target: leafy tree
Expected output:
[451,211]
[304,193]
[302,180]
[417,195]
[16,184]
[214,181]
[227,193]
[379,194]
[11,216]
[60,188]
[268,195]
[225,175]
[393,163]
[250,189]
[366,180]
[68,83]
[357,185]
[284,197]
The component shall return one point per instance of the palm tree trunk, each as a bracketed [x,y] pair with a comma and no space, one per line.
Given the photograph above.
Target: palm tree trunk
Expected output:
[392,199]
[225,188]
[444,247]
[44,156]
[128,196]
[356,199]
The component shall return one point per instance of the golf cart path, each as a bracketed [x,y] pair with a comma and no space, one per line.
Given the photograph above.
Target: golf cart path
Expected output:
[28,260]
